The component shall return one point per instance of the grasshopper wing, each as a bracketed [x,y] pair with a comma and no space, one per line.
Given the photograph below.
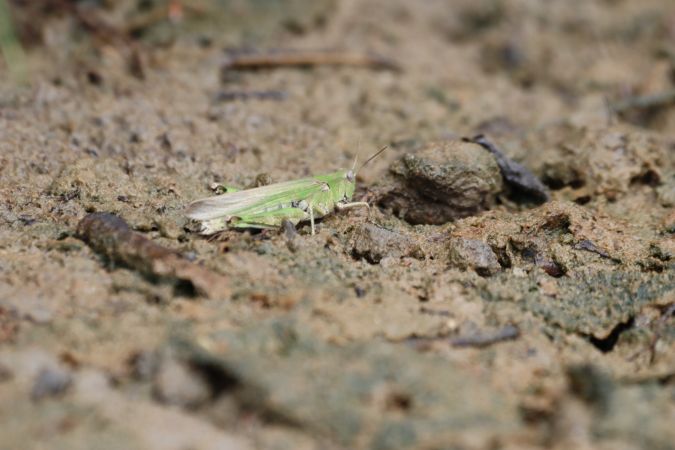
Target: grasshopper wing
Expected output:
[250,199]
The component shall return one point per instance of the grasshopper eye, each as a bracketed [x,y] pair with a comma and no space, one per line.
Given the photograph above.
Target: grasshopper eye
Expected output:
[350,176]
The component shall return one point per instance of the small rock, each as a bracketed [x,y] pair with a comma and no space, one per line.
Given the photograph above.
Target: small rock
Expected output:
[144,365]
[376,243]
[92,386]
[666,193]
[388,261]
[442,182]
[262,179]
[549,266]
[548,287]
[669,222]
[6,373]
[474,254]
[176,385]
[168,227]
[50,381]
[519,272]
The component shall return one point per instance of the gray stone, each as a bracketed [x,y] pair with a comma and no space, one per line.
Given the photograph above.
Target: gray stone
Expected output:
[473,254]
[442,182]
[50,381]
[375,243]
[176,384]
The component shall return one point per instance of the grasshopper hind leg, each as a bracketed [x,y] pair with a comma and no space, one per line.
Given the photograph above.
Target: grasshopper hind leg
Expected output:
[257,226]
[269,219]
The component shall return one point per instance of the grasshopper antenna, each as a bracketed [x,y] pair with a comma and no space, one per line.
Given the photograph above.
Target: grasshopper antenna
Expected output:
[378,153]
[356,157]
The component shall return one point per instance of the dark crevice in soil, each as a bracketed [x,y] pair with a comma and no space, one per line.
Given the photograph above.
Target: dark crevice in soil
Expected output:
[503,257]
[592,385]
[249,398]
[184,288]
[583,200]
[606,345]
[219,381]
[556,184]
[648,178]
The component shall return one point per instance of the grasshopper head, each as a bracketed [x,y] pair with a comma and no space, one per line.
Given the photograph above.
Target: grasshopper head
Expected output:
[347,184]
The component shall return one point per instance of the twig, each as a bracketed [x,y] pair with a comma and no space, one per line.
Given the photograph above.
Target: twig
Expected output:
[434,312]
[649,101]
[480,340]
[307,58]
[589,246]
[230,96]
[516,175]
[111,236]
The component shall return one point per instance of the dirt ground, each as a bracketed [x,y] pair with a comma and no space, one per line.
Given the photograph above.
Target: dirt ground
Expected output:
[460,312]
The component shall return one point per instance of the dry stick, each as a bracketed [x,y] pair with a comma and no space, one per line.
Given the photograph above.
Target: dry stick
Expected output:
[649,101]
[305,58]
[589,246]
[111,236]
[506,333]
[515,175]
[231,96]
[479,339]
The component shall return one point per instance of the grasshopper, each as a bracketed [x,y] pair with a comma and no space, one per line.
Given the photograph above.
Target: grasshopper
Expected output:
[268,206]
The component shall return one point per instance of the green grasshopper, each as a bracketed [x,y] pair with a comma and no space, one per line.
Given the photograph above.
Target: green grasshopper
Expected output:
[268,206]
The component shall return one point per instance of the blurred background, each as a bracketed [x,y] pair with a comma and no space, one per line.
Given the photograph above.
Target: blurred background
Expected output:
[618,48]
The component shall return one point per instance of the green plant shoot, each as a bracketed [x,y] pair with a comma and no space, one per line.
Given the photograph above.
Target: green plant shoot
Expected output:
[268,206]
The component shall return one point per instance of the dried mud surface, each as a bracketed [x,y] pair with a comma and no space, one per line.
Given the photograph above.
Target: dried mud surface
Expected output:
[455,313]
